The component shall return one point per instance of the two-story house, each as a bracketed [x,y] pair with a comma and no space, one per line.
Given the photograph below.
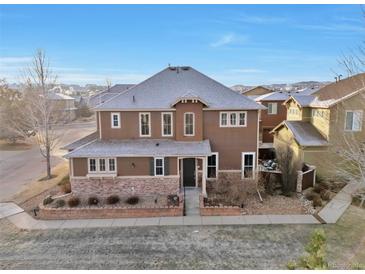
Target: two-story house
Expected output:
[319,122]
[176,129]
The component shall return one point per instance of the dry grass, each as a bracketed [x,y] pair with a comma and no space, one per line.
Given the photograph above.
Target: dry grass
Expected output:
[5,146]
[37,187]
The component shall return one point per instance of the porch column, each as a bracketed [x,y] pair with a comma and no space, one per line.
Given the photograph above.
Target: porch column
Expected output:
[204,177]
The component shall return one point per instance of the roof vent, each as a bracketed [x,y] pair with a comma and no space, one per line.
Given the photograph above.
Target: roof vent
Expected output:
[134,99]
[157,144]
[172,68]
[185,68]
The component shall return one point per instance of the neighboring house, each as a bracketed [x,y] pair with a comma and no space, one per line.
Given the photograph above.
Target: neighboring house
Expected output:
[63,106]
[256,91]
[105,95]
[321,121]
[176,129]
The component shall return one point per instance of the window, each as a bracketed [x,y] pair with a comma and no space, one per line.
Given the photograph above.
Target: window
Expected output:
[212,165]
[144,124]
[272,108]
[111,164]
[353,121]
[224,121]
[159,167]
[92,165]
[294,111]
[115,120]
[189,124]
[248,165]
[102,165]
[233,119]
[166,122]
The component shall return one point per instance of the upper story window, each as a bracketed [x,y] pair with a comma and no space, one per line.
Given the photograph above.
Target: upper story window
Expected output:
[145,124]
[272,108]
[233,119]
[294,111]
[189,121]
[353,121]
[166,123]
[115,119]
[159,166]
[102,165]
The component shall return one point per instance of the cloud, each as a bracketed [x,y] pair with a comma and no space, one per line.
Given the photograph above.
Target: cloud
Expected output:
[228,39]
[261,19]
[333,27]
[15,60]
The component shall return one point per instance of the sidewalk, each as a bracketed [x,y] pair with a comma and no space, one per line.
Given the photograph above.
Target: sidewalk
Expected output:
[24,221]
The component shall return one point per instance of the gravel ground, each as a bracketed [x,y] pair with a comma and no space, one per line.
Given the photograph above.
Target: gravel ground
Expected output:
[208,247]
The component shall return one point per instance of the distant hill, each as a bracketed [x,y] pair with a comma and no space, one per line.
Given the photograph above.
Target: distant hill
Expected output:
[284,87]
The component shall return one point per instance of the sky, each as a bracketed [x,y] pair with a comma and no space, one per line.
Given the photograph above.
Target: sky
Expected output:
[234,44]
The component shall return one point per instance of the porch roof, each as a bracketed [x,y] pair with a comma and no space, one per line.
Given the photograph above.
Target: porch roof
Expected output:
[141,147]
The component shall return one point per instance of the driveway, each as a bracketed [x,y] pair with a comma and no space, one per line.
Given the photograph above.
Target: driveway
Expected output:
[20,167]
[195,247]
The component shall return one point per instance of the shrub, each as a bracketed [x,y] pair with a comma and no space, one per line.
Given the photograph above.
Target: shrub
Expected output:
[65,184]
[317,188]
[312,195]
[132,200]
[113,199]
[325,195]
[47,200]
[73,202]
[60,203]
[317,201]
[93,201]
[316,250]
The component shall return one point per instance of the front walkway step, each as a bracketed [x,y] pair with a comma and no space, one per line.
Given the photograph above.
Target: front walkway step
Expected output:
[192,201]
[9,209]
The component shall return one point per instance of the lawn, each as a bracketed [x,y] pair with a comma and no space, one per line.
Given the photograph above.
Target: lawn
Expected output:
[208,247]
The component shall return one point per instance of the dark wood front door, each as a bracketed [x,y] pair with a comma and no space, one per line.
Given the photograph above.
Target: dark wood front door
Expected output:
[189,172]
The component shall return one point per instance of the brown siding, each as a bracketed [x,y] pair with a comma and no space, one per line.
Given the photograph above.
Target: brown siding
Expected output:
[141,166]
[129,128]
[172,166]
[257,91]
[197,109]
[230,142]
[80,167]
[272,120]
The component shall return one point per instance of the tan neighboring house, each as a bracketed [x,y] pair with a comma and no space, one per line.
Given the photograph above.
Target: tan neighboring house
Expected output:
[179,128]
[256,91]
[63,106]
[317,123]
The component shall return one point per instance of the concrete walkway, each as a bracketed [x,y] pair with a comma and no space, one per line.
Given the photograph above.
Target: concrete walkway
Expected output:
[338,205]
[24,221]
[191,199]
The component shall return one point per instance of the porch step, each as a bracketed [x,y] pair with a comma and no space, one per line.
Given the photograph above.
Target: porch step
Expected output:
[192,201]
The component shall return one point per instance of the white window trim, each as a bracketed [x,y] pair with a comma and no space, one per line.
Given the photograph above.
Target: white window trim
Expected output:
[276,108]
[97,171]
[112,121]
[149,124]
[172,124]
[193,134]
[361,121]
[216,164]
[243,165]
[163,166]
[229,119]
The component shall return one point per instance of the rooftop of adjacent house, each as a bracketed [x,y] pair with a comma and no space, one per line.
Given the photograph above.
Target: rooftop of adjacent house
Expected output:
[141,147]
[257,87]
[107,94]
[83,141]
[304,133]
[342,88]
[163,89]
[303,100]
[273,96]
[59,96]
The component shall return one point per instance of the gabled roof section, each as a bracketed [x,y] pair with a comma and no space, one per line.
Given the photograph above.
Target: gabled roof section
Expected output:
[83,141]
[164,88]
[302,100]
[189,96]
[304,133]
[107,94]
[341,90]
[253,88]
[273,96]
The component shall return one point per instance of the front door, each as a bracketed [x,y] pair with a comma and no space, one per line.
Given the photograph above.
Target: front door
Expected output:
[189,172]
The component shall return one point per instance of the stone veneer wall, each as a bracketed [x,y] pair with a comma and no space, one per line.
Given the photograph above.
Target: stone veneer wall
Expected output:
[125,186]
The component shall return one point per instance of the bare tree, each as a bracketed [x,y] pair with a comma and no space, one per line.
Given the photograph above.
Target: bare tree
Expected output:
[287,166]
[41,111]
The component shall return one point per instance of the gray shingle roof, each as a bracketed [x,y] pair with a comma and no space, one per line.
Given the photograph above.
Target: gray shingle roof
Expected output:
[163,88]
[273,96]
[105,95]
[303,100]
[80,142]
[141,147]
[305,133]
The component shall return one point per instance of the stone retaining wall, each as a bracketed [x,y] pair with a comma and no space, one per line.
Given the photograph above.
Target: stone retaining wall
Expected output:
[218,210]
[104,187]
